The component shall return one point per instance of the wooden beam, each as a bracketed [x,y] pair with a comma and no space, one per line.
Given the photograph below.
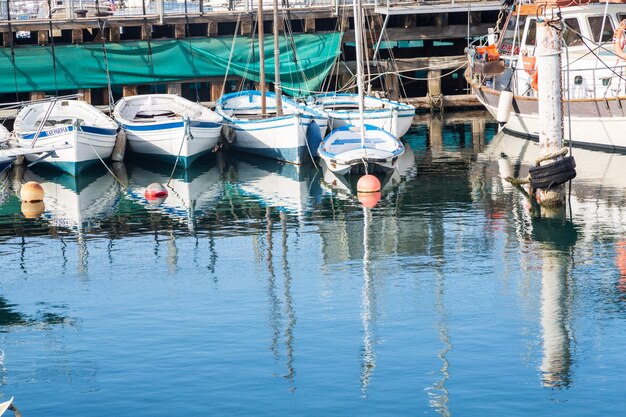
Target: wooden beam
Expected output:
[6,39]
[441,20]
[428,32]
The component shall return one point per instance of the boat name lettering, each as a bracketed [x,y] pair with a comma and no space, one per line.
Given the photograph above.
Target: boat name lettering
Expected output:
[58,130]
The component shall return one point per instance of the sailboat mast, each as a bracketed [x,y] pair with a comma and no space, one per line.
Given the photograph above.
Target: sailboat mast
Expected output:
[358,38]
[261,58]
[277,87]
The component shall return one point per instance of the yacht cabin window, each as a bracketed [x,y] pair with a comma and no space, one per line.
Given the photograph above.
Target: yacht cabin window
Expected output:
[595,26]
[571,32]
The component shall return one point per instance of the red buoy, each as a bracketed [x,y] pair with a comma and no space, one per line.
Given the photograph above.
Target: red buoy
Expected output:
[155,191]
[369,200]
[368,184]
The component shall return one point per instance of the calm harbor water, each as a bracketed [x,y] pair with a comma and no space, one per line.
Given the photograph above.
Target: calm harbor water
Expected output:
[256,289]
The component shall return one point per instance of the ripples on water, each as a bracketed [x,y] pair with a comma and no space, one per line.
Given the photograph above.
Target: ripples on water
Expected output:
[263,289]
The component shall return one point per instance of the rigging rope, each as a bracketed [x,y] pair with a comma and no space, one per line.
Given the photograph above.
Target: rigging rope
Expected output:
[193,65]
[54,60]
[101,24]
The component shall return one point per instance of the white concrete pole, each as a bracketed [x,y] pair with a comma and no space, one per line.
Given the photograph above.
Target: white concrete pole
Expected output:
[550,102]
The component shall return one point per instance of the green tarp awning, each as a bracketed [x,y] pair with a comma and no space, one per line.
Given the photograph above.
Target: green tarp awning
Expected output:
[171,60]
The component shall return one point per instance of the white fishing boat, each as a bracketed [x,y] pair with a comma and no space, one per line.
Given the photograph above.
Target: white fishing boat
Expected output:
[290,137]
[89,133]
[359,147]
[168,127]
[593,64]
[343,109]
[345,152]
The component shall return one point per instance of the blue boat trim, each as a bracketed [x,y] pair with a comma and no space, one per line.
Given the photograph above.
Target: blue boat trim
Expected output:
[47,133]
[98,130]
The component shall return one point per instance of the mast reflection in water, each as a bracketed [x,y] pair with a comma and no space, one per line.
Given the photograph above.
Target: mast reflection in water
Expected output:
[257,288]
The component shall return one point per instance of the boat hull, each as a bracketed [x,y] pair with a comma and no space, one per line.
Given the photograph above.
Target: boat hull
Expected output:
[88,145]
[283,138]
[167,141]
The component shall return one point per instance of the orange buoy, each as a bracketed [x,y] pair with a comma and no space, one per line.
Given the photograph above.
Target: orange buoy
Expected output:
[155,191]
[33,209]
[368,184]
[369,200]
[31,191]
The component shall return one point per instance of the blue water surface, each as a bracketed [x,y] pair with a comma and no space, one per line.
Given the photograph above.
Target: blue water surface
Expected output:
[259,289]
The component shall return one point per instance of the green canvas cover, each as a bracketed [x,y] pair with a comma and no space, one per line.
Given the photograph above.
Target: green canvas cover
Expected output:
[82,66]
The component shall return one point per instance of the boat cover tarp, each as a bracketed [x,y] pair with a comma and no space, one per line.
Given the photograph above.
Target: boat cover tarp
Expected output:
[82,66]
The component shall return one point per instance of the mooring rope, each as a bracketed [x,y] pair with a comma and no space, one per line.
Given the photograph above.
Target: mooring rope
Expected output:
[186,136]
[230,56]
[78,126]
[193,65]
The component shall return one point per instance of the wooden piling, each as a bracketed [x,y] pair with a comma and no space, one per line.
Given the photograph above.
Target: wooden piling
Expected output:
[37,95]
[77,36]
[212,28]
[309,25]
[175,88]
[115,34]
[129,90]
[179,31]
[86,95]
[42,37]
[216,90]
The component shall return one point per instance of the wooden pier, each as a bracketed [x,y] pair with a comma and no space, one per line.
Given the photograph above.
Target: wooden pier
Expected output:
[424,63]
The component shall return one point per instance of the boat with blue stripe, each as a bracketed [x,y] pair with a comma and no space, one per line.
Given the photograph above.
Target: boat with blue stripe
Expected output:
[292,137]
[168,127]
[80,134]
[346,151]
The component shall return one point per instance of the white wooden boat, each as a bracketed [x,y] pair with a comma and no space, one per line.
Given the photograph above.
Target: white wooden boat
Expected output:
[343,109]
[291,137]
[592,77]
[168,127]
[344,152]
[89,133]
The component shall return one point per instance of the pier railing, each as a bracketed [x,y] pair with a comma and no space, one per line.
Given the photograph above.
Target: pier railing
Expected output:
[77,9]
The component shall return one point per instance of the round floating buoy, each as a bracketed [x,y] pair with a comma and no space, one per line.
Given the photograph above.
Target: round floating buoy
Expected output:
[155,191]
[31,191]
[33,209]
[369,200]
[368,184]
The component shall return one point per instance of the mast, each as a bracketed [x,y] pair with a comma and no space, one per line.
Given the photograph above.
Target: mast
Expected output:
[277,87]
[261,58]
[358,38]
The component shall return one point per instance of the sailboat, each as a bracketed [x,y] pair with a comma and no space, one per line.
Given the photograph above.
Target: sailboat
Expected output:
[90,134]
[353,148]
[168,127]
[503,75]
[270,124]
